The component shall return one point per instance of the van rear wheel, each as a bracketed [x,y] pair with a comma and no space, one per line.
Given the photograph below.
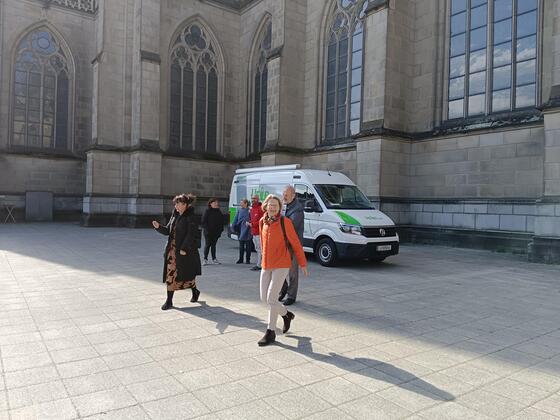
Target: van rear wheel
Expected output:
[326,252]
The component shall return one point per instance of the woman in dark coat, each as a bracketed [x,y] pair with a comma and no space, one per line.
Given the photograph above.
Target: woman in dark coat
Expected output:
[242,225]
[213,225]
[182,261]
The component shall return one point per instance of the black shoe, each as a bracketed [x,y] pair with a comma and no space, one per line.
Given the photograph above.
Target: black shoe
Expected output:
[239,262]
[269,338]
[255,268]
[247,262]
[282,296]
[287,321]
[289,301]
[195,295]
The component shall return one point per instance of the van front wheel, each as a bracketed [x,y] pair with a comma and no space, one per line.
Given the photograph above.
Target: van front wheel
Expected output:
[326,252]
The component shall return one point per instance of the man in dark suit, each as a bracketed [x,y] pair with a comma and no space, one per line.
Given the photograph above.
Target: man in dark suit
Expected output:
[294,211]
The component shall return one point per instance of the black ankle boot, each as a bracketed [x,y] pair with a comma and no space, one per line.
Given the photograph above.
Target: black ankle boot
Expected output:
[195,295]
[287,321]
[269,338]
[169,302]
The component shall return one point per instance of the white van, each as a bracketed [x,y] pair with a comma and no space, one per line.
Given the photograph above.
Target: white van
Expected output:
[340,222]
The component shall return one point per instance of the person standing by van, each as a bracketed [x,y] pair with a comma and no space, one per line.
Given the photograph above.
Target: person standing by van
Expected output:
[213,225]
[242,225]
[279,241]
[294,212]
[182,261]
[256,214]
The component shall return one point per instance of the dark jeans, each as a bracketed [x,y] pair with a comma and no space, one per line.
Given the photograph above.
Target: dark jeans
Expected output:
[245,248]
[210,245]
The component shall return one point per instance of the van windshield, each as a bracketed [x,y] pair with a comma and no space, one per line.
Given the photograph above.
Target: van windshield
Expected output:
[343,197]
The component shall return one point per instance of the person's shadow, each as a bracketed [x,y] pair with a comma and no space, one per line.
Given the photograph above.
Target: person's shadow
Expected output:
[374,369]
[224,317]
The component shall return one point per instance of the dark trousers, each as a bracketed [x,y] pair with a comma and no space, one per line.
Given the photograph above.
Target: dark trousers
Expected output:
[245,248]
[210,245]
[290,286]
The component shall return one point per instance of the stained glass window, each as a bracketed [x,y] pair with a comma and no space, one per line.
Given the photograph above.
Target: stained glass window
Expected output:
[260,89]
[194,84]
[41,93]
[343,71]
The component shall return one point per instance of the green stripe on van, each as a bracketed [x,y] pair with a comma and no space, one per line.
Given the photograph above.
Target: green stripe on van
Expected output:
[346,218]
[232,213]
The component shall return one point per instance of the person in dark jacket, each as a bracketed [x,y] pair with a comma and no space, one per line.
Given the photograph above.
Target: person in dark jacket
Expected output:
[213,226]
[294,212]
[181,258]
[242,225]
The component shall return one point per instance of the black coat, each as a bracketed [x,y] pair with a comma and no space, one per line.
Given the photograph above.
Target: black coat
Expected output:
[213,222]
[187,238]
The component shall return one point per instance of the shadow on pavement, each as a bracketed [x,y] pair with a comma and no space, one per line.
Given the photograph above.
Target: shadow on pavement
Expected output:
[225,318]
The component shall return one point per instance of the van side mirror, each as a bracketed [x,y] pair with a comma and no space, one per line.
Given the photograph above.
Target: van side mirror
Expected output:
[311,206]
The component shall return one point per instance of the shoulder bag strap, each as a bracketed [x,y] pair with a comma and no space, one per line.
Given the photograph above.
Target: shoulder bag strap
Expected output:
[285,236]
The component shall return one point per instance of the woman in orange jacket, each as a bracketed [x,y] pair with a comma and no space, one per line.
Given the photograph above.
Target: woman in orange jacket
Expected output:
[278,241]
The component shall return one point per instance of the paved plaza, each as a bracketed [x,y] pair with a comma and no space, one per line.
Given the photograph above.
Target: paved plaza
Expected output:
[434,333]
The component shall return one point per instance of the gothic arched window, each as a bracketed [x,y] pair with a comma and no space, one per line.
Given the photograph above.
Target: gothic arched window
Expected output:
[344,55]
[260,89]
[41,93]
[194,92]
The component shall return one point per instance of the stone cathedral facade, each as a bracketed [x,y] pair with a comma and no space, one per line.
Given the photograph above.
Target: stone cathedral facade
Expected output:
[445,112]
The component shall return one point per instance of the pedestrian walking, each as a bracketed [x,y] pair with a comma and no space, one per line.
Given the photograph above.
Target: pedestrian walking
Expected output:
[242,225]
[181,258]
[280,243]
[294,212]
[256,213]
[213,226]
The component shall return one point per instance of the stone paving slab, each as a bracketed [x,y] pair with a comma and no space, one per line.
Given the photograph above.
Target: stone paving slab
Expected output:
[434,333]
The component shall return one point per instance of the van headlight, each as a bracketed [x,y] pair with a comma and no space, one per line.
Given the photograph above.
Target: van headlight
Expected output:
[355,230]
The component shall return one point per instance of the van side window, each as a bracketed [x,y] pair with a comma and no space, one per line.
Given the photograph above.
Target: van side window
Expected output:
[241,190]
[304,194]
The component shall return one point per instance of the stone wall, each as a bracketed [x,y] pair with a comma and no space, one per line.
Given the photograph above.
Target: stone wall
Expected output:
[337,161]
[20,173]
[62,176]
[493,164]
[483,215]
[203,178]
[400,54]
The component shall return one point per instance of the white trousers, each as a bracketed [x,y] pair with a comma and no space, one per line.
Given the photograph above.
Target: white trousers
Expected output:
[271,283]
[257,242]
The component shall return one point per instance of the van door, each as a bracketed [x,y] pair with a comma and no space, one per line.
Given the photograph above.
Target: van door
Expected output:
[306,197]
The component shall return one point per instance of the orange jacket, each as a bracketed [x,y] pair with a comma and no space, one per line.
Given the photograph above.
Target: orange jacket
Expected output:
[274,251]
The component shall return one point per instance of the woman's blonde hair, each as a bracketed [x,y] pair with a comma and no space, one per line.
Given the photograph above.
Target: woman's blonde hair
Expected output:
[268,199]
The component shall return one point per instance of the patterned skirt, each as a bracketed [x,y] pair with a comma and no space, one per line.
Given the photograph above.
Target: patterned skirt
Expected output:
[171,275]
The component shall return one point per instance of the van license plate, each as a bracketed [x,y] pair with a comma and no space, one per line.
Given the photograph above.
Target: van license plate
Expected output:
[384,248]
